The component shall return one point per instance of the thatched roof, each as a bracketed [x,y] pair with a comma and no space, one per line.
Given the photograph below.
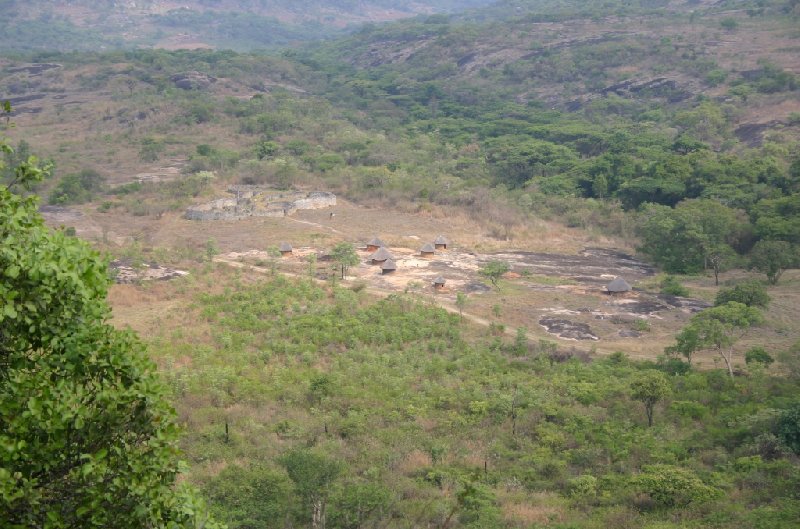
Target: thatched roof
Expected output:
[389,265]
[381,254]
[438,281]
[285,247]
[441,240]
[376,242]
[618,285]
[428,248]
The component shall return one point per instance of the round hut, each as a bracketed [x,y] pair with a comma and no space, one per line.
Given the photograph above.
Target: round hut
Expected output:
[618,286]
[380,256]
[427,251]
[285,248]
[388,267]
[374,244]
[441,242]
[438,283]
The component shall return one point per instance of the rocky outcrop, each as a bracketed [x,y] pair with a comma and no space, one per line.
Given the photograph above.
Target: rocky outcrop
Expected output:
[192,80]
[254,201]
[125,273]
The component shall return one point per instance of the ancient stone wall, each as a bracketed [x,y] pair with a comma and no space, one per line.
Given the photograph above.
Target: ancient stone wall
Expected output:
[255,201]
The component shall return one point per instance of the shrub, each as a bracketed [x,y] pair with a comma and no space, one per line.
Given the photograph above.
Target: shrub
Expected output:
[751,293]
[670,486]
[77,188]
[151,149]
[583,486]
[757,355]
[674,366]
[671,286]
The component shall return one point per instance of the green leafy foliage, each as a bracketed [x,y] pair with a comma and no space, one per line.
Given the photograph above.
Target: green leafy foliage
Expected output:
[345,254]
[77,188]
[249,497]
[752,293]
[684,239]
[671,486]
[493,270]
[672,286]
[649,388]
[788,427]
[88,437]
[313,475]
[412,410]
[758,355]
[773,257]
[717,328]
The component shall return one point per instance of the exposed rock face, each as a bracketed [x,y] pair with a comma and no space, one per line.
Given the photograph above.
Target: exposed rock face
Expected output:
[566,329]
[125,273]
[34,69]
[254,201]
[192,80]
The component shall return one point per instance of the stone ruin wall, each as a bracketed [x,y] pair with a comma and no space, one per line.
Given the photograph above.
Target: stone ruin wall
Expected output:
[253,201]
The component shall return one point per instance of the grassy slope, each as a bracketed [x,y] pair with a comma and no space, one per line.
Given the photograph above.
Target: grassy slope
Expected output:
[414,405]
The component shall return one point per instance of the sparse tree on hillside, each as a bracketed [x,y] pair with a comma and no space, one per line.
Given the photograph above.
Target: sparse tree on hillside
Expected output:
[773,258]
[493,270]
[649,388]
[721,258]
[461,302]
[344,254]
[718,328]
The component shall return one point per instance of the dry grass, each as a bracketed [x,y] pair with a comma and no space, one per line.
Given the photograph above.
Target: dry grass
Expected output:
[413,462]
[524,511]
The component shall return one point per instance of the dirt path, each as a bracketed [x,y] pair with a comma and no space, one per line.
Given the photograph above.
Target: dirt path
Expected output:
[316,225]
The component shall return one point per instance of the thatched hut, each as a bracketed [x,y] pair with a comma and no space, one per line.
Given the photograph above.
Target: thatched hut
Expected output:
[441,242]
[285,248]
[374,244]
[427,251]
[438,283]
[618,286]
[380,256]
[388,267]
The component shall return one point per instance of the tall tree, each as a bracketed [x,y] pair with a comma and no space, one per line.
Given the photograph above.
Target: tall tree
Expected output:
[88,438]
[313,475]
[773,258]
[493,270]
[344,254]
[649,388]
[717,328]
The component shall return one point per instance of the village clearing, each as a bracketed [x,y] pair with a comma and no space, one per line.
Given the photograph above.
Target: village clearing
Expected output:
[555,290]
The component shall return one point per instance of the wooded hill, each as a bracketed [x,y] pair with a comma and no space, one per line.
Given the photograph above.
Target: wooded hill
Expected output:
[235,24]
[321,406]
[585,119]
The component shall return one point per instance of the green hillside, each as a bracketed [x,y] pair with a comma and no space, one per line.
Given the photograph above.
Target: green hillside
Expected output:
[542,129]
